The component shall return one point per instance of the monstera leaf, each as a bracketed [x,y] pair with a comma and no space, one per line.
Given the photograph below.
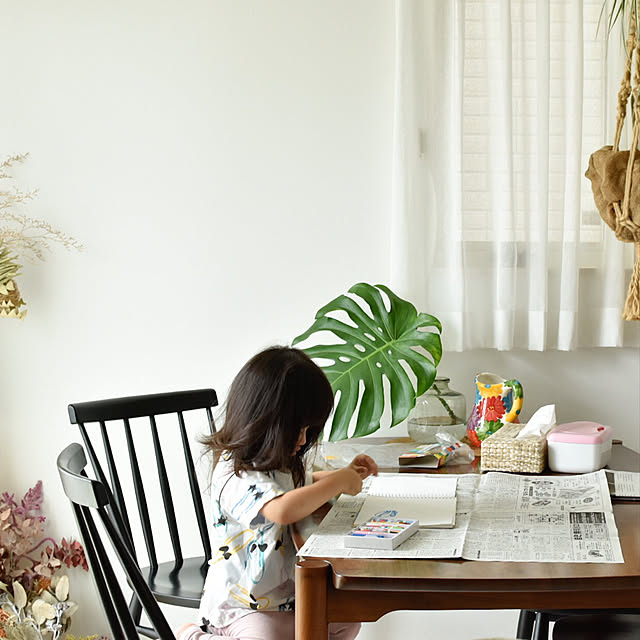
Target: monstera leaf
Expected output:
[374,346]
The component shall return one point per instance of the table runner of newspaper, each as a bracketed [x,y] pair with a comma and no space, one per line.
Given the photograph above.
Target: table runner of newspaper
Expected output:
[500,516]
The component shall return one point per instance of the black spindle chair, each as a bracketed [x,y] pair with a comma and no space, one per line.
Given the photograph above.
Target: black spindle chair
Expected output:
[613,626]
[534,625]
[122,423]
[91,502]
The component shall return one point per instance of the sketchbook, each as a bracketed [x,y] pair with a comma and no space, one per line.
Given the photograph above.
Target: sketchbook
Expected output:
[624,485]
[429,499]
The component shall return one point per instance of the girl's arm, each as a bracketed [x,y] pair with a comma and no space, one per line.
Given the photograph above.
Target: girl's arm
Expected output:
[303,501]
[363,464]
[299,503]
[318,475]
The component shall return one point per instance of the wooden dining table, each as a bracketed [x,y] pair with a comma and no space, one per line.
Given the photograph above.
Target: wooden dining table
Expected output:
[364,589]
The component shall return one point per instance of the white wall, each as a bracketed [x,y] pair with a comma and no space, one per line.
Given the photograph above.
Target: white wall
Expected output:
[226,164]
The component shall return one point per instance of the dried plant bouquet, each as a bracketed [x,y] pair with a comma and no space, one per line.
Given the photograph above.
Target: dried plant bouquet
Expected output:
[34,588]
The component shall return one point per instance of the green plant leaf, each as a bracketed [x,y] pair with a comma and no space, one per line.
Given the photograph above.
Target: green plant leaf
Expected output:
[374,345]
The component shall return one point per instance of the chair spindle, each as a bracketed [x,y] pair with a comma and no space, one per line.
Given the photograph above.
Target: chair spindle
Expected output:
[166,495]
[212,424]
[195,490]
[141,498]
[116,487]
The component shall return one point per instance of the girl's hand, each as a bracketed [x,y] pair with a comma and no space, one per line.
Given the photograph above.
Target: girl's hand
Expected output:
[350,480]
[364,466]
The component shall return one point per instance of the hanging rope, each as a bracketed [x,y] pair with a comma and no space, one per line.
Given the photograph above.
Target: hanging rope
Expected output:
[618,199]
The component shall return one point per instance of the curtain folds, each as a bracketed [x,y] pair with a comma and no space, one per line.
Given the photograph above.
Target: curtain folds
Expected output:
[498,105]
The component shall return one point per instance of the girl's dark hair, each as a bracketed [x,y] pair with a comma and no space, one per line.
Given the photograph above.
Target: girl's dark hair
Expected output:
[274,396]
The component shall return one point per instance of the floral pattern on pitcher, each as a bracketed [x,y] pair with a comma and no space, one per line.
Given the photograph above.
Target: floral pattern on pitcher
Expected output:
[498,401]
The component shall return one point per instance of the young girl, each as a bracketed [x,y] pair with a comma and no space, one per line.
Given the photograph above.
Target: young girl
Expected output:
[276,410]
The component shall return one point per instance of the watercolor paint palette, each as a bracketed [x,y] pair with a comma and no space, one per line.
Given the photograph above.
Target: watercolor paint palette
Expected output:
[381,533]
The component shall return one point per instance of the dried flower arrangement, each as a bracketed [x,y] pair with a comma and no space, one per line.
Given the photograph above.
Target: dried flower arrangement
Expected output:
[21,237]
[34,590]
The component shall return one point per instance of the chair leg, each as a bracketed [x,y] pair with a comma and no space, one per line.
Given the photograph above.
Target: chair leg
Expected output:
[525,624]
[135,608]
[541,629]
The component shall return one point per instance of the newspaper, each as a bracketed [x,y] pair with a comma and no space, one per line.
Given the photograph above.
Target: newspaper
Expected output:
[543,519]
[501,517]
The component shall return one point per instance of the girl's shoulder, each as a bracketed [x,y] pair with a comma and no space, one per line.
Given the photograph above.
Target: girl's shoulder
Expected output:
[224,473]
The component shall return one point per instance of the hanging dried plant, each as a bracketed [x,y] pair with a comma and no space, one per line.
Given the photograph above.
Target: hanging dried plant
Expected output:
[29,238]
[10,300]
[9,268]
[21,237]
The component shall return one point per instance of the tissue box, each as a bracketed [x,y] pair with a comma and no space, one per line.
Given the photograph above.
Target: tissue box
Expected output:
[502,452]
[579,447]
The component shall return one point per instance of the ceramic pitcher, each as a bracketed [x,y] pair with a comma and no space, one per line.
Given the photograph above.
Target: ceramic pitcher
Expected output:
[497,401]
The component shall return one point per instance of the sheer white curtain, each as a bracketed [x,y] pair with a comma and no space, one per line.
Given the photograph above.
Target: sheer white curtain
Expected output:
[498,105]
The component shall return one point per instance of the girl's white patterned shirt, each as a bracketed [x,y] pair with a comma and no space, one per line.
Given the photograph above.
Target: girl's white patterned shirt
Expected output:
[253,559]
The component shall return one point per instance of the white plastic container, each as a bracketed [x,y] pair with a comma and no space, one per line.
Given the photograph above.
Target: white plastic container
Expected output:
[579,447]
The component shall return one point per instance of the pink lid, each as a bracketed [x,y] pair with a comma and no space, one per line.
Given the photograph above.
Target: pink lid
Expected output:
[581,432]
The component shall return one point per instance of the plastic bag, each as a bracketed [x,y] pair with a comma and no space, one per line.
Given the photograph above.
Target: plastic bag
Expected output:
[447,450]
[457,452]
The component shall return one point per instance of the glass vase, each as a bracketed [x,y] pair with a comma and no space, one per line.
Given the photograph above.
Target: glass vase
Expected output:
[440,408]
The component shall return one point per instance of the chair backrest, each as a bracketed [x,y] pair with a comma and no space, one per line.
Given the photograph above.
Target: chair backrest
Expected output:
[122,418]
[90,501]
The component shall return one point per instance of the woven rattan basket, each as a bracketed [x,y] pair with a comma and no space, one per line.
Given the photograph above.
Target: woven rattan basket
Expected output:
[502,452]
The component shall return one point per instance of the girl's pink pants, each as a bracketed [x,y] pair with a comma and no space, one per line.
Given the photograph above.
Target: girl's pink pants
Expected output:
[264,625]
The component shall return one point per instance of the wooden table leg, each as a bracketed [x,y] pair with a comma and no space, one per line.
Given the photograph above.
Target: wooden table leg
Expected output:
[311,599]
